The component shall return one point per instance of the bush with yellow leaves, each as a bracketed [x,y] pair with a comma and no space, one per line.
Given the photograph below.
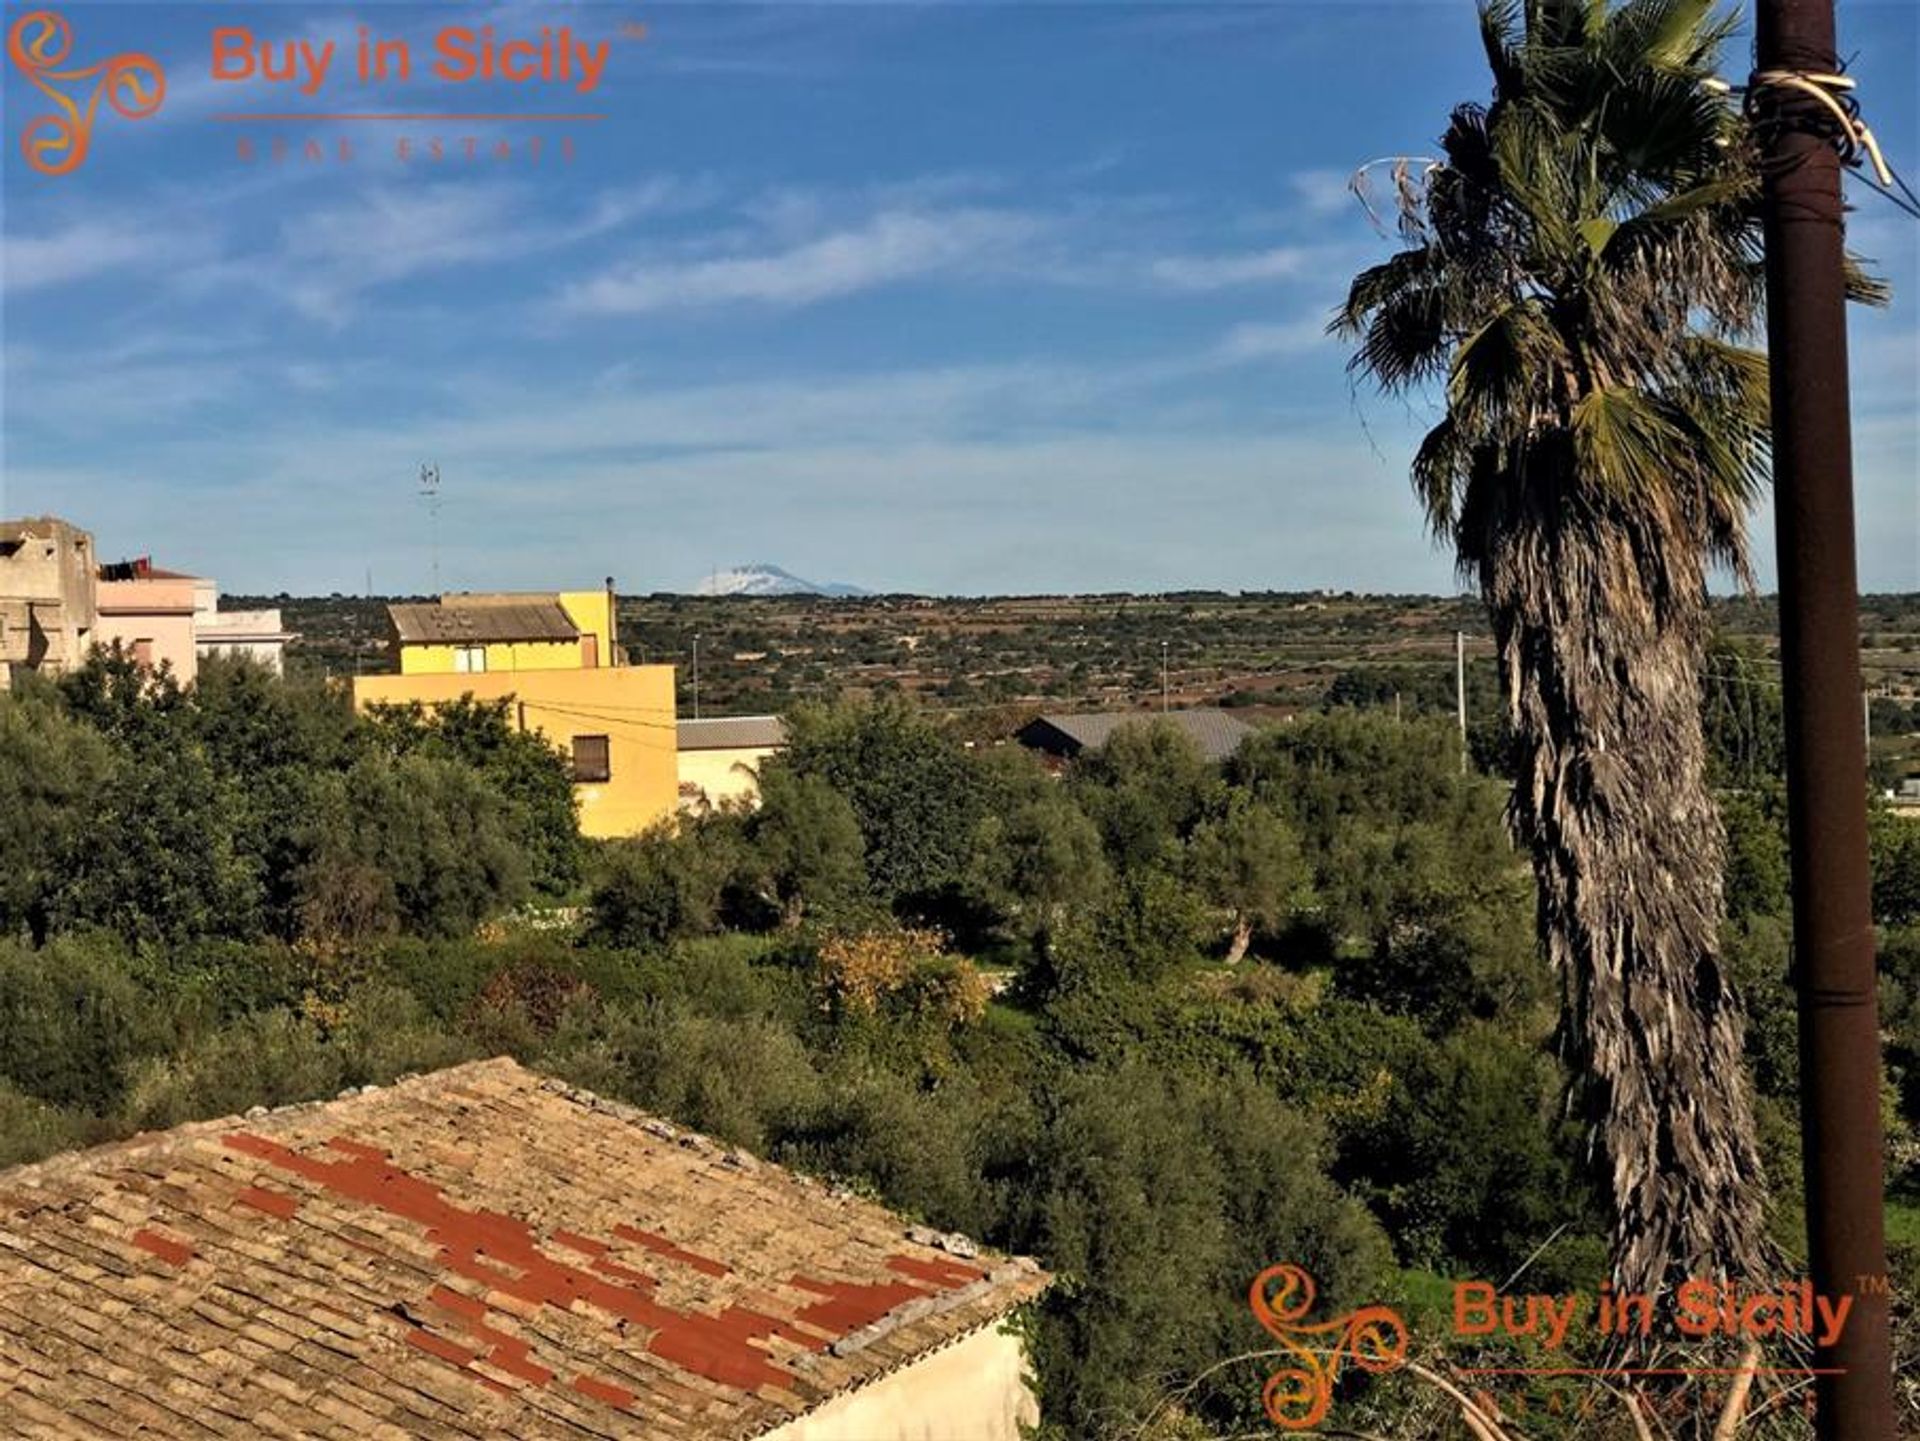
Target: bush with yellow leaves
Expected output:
[901,970]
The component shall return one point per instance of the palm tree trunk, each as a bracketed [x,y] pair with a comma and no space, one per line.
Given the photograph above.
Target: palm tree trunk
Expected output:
[1601,630]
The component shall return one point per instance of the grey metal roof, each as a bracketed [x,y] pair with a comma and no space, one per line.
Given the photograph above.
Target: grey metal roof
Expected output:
[730,733]
[1217,734]
[530,619]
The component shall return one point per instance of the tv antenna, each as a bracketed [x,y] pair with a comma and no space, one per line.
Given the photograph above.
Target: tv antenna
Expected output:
[430,493]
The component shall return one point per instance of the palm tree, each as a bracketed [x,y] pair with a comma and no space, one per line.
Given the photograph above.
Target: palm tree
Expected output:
[1582,272]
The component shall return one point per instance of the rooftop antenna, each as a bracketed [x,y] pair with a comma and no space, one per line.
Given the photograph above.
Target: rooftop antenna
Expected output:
[356,642]
[430,493]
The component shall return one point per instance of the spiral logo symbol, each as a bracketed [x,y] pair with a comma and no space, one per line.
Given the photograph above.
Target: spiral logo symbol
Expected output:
[1296,1397]
[133,85]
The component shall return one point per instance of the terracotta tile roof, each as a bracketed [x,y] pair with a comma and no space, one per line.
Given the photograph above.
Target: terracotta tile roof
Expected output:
[478,1252]
[535,618]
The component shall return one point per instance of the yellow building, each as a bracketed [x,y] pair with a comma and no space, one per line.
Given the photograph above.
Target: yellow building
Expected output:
[471,633]
[557,659]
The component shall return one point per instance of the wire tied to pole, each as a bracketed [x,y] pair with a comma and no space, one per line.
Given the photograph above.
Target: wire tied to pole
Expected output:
[1851,135]
[1835,92]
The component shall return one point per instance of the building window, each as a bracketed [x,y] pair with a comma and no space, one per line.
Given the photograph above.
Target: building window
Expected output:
[591,759]
[469,659]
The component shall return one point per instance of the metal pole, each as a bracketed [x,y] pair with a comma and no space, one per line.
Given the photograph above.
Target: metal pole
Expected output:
[1165,704]
[615,656]
[1820,656]
[1460,691]
[696,675]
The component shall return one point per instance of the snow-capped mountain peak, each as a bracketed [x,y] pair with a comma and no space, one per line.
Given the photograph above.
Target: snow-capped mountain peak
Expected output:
[762,579]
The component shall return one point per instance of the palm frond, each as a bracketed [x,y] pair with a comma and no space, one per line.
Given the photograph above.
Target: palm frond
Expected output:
[1402,312]
[1863,286]
[1442,470]
[1668,34]
[1501,35]
[1625,442]
[1506,373]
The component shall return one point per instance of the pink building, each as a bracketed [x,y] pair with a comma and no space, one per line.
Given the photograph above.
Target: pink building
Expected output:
[150,613]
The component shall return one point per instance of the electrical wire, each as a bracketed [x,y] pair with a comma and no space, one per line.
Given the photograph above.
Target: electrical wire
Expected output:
[1835,93]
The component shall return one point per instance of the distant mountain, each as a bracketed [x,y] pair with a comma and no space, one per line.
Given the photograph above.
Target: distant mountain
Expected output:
[768,580]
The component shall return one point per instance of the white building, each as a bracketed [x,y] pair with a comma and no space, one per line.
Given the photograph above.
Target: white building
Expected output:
[255,634]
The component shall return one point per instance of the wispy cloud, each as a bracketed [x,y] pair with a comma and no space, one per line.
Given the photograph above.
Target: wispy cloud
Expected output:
[1322,192]
[886,249]
[83,249]
[336,252]
[802,246]
[1218,272]
[1267,340]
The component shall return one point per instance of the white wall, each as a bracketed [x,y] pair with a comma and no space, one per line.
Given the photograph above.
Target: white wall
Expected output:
[971,1391]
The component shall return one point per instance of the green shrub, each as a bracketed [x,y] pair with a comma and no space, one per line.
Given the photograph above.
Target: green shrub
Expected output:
[663,885]
[30,1129]
[53,774]
[274,1058]
[919,1149]
[420,844]
[530,778]
[915,794]
[1146,926]
[72,1022]
[743,1081]
[1157,1199]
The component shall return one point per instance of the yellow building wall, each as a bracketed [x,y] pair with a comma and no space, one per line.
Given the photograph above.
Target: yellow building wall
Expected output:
[630,705]
[592,611]
[507,656]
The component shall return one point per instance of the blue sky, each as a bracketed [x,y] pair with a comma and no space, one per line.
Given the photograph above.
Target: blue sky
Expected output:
[969,298]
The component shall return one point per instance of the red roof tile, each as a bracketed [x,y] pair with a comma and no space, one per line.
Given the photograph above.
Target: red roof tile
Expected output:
[480,1252]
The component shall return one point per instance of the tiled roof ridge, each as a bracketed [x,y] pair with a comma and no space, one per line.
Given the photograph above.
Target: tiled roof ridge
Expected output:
[86,1157]
[853,1351]
[953,1242]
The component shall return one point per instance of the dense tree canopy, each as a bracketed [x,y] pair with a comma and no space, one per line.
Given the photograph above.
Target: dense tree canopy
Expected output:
[1072,1071]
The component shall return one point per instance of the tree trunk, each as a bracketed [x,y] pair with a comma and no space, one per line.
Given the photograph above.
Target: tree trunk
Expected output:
[1242,938]
[1600,625]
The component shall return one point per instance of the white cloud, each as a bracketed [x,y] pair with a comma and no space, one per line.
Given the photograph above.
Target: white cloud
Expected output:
[890,247]
[1218,272]
[332,254]
[1267,340]
[87,248]
[1323,192]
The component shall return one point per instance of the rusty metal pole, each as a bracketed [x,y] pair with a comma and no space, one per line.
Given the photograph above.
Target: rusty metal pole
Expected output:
[1826,760]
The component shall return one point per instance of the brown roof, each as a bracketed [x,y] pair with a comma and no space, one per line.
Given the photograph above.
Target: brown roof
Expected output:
[453,624]
[478,1252]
